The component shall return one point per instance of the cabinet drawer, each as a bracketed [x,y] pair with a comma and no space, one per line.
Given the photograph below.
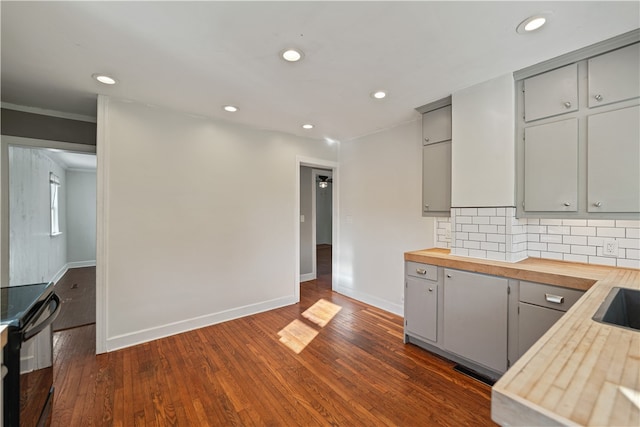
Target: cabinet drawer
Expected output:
[422,271]
[549,296]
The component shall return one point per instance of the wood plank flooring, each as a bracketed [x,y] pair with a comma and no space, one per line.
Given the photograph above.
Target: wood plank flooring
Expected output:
[355,372]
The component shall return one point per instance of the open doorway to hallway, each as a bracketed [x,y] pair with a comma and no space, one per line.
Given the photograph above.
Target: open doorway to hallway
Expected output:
[316,222]
[52,224]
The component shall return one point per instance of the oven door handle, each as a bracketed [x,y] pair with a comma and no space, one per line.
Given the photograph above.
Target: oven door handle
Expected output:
[30,333]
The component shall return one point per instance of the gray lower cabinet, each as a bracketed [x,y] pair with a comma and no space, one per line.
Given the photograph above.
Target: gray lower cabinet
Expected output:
[475,317]
[613,168]
[539,308]
[436,179]
[421,308]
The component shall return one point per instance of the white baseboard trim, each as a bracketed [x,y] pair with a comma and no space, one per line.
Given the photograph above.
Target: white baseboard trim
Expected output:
[80,264]
[307,277]
[127,340]
[59,274]
[371,300]
[76,264]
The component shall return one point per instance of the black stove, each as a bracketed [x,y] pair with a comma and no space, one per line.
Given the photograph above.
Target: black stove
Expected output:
[28,312]
[17,302]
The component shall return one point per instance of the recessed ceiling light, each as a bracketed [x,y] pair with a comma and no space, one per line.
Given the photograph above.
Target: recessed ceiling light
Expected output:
[379,94]
[307,126]
[532,23]
[291,55]
[230,108]
[103,78]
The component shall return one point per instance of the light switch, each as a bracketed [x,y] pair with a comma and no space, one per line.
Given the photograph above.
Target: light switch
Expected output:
[301,218]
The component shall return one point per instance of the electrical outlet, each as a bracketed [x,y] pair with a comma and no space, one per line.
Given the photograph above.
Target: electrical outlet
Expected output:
[447,234]
[610,247]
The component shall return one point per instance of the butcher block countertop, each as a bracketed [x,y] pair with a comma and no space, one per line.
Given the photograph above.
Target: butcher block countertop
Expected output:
[559,273]
[581,372]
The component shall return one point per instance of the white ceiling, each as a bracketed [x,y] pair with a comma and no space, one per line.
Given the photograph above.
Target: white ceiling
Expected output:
[76,161]
[197,56]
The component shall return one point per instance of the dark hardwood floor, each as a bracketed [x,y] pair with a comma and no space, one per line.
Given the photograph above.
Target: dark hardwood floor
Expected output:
[355,372]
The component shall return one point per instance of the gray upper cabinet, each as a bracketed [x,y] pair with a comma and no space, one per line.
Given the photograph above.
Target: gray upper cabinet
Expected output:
[614,161]
[552,93]
[436,125]
[614,76]
[436,179]
[551,167]
[475,317]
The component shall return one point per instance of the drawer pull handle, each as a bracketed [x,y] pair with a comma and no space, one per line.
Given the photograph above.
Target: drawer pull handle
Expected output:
[556,299]
[421,271]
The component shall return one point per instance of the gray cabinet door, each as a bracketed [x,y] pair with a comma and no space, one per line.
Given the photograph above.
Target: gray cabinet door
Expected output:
[436,125]
[551,93]
[534,322]
[613,163]
[436,178]
[475,317]
[614,76]
[421,309]
[551,167]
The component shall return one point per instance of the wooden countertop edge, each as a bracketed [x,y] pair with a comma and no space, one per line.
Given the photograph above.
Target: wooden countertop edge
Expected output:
[551,272]
[3,335]
[524,413]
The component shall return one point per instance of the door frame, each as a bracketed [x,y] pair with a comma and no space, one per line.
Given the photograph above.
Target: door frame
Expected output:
[322,164]
[17,141]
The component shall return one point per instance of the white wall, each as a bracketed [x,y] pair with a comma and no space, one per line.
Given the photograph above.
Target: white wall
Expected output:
[188,241]
[306,227]
[380,191]
[35,255]
[81,217]
[483,149]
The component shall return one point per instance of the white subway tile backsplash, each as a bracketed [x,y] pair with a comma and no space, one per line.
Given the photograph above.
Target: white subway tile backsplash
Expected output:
[555,247]
[557,229]
[632,233]
[551,255]
[487,211]
[481,220]
[464,220]
[601,223]
[551,238]
[583,250]
[490,246]
[610,232]
[495,233]
[488,228]
[629,243]
[583,231]
[628,263]
[480,237]
[628,223]
[602,261]
[575,222]
[576,258]
[545,221]
[633,254]
[469,211]
[574,240]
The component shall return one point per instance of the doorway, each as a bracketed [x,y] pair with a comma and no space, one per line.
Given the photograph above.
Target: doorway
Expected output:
[52,226]
[317,212]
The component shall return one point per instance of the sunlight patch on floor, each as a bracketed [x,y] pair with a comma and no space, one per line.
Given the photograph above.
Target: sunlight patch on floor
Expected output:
[322,312]
[296,335]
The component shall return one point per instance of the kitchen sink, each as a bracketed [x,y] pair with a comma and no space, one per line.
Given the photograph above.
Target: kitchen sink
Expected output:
[621,308]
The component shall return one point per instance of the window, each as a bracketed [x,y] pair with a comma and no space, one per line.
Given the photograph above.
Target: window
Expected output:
[54,187]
